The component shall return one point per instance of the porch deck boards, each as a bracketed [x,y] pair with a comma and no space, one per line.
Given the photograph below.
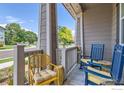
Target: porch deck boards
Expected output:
[76,77]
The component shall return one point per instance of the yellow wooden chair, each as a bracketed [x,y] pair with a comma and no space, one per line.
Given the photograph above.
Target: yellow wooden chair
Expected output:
[43,72]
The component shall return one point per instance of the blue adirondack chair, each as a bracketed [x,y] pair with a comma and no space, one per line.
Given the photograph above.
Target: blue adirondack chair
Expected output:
[97,53]
[97,77]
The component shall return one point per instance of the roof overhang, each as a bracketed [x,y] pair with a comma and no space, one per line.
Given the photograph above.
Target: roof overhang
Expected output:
[76,9]
[73,8]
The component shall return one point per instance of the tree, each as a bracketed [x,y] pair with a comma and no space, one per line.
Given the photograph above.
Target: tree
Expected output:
[11,33]
[20,37]
[65,36]
[14,34]
[30,37]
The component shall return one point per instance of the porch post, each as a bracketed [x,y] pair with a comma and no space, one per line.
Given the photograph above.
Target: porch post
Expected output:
[53,30]
[48,29]
[80,31]
[19,65]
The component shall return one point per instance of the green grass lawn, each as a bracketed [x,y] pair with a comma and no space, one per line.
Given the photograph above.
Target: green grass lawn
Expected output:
[6,60]
[11,59]
[6,47]
[11,47]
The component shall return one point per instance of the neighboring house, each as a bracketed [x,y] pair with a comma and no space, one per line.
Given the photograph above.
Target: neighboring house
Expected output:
[2,37]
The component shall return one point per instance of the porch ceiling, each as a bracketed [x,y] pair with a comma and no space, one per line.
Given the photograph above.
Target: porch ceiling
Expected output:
[86,6]
[77,8]
[73,8]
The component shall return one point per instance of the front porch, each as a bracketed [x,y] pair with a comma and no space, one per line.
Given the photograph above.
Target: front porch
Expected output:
[95,23]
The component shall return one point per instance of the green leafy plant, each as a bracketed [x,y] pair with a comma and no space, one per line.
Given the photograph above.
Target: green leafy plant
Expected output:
[1,45]
[10,76]
[15,34]
[65,36]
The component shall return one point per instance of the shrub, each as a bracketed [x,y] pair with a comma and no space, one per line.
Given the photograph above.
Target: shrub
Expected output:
[1,44]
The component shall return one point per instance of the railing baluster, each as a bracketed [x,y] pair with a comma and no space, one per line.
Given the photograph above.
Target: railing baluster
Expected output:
[29,63]
[68,58]
[19,63]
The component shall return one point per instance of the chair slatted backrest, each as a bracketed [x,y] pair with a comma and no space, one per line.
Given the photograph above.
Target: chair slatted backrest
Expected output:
[39,61]
[117,63]
[97,52]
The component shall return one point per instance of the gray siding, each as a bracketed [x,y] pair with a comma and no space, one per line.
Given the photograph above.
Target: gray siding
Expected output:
[44,19]
[115,28]
[43,27]
[98,27]
[78,33]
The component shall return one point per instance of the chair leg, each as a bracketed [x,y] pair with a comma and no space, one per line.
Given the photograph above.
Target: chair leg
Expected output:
[86,78]
[58,83]
[81,65]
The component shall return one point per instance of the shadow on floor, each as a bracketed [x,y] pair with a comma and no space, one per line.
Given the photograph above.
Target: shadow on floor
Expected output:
[76,77]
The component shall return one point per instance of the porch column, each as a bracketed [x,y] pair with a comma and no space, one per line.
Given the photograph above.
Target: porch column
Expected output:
[19,65]
[80,31]
[47,30]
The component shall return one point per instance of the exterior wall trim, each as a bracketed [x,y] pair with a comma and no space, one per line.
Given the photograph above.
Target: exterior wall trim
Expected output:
[39,28]
[81,31]
[48,29]
[120,24]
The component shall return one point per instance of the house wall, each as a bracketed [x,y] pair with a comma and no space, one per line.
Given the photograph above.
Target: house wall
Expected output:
[115,24]
[122,23]
[2,38]
[47,30]
[98,27]
[42,28]
[78,32]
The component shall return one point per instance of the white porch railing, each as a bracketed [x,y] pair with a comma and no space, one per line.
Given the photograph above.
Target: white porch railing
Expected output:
[68,58]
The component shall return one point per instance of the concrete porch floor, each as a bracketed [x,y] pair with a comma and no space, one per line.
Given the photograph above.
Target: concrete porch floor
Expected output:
[76,77]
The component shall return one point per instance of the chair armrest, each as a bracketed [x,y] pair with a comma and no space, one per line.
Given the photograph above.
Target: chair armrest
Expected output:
[102,64]
[94,64]
[96,72]
[55,67]
[84,56]
[60,72]
[105,63]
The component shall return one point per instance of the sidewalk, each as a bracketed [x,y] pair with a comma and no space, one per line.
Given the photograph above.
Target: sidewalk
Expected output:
[5,65]
[10,53]
[13,48]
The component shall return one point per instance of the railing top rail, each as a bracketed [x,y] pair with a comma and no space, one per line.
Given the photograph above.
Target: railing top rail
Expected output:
[29,52]
[67,49]
[71,48]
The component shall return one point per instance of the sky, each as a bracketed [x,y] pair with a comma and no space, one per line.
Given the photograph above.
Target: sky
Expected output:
[27,16]
[24,14]
[64,18]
